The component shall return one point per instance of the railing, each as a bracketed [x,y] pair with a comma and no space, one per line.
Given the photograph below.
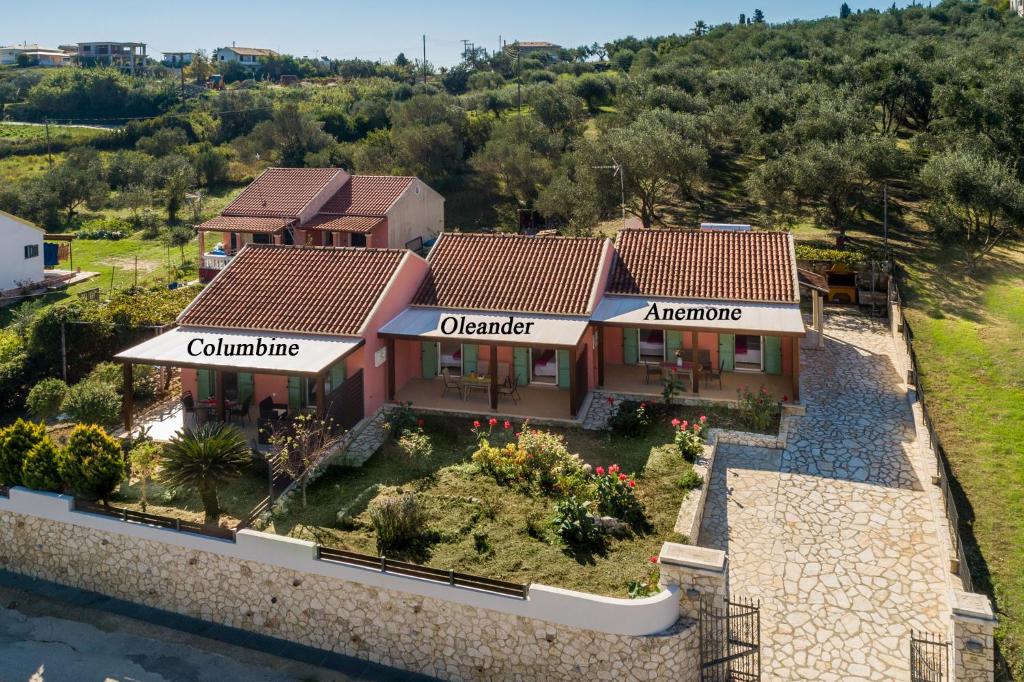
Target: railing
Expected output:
[214,261]
[929,658]
[131,516]
[943,469]
[385,565]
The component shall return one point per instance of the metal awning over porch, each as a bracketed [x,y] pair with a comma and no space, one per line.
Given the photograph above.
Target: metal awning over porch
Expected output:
[239,351]
[729,317]
[464,326]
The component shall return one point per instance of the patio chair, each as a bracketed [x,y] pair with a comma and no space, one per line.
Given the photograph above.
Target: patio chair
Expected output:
[713,375]
[241,411]
[652,369]
[448,383]
[510,388]
[704,358]
[272,411]
[188,406]
[502,372]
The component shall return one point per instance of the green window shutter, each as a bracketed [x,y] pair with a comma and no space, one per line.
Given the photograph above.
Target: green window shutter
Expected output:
[245,386]
[294,394]
[337,374]
[564,367]
[521,363]
[772,349]
[631,346]
[727,351]
[206,383]
[673,342]
[469,353]
[428,357]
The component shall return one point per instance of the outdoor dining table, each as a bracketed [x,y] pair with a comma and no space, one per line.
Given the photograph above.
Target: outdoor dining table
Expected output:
[475,383]
[685,369]
[210,405]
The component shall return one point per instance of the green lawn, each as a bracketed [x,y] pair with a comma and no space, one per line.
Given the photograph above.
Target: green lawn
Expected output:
[482,527]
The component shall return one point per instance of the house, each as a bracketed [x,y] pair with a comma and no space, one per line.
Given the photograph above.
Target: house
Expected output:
[129,57]
[323,207]
[527,48]
[250,57]
[499,313]
[21,259]
[36,55]
[1017,6]
[290,328]
[178,59]
[722,303]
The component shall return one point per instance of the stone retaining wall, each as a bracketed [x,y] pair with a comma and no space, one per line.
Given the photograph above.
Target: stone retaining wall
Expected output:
[275,586]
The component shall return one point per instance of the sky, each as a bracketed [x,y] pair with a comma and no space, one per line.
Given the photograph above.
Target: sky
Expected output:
[376,30]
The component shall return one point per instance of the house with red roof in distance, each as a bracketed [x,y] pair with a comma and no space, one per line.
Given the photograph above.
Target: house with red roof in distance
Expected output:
[322,207]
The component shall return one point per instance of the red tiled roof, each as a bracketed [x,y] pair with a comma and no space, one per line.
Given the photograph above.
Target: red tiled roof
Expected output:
[281,192]
[720,265]
[343,223]
[370,195]
[296,289]
[244,224]
[512,273]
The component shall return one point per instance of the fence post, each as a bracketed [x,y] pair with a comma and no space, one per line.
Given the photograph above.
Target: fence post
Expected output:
[696,572]
[971,637]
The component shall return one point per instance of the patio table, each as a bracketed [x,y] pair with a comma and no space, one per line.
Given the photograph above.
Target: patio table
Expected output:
[475,383]
[686,369]
[210,405]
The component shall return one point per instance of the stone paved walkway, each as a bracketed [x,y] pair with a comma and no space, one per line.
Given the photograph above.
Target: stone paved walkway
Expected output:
[835,534]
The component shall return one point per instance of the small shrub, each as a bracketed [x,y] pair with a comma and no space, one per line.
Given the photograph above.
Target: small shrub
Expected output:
[616,495]
[401,419]
[630,419]
[45,398]
[638,589]
[536,526]
[574,523]
[91,464]
[144,459]
[535,457]
[16,441]
[482,543]
[759,409]
[399,522]
[92,402]
[39,470]
[690,480]
[416,445]
[689,438]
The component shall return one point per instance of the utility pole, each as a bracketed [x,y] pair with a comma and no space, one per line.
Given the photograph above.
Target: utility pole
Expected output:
[424,58]
[49,157]
[885,218]
[182,70]
[519,84]
[465,48]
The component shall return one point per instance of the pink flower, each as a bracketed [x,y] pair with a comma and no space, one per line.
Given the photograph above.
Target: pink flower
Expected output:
[492,421]
[622,477]
[696,427]
[675,422]
[632,483]
[653,558]
[476,424]
[611,400]
[599,471]
[785,398]
[614,469]
[508,424]
[684,424]
[703,419]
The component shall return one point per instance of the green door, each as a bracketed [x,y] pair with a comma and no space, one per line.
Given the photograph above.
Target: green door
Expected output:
[206,383]
[521,364]
[469,353]
[727,351]
[245,386]
[294,395]
[564,367]
[631,346]
[772,349]
[428,358]
[673,342]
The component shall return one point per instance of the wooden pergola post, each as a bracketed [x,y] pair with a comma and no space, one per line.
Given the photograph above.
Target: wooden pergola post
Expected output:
[494,376]
[219,394]
[127,397]
[600,355]
[573,388]
[696,366]
[321,399]
[391,368]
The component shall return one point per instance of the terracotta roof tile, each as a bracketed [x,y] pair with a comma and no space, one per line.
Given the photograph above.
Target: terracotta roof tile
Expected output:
[343,223]
[721,265]
[244,224]
[297,289]
[512,273]
[281,192]
[369,195]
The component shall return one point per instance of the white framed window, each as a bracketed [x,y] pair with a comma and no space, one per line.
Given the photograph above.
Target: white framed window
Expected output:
[31,251]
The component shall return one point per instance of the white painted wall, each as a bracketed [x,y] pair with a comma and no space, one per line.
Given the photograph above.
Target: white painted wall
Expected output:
[419,212]
[15,269]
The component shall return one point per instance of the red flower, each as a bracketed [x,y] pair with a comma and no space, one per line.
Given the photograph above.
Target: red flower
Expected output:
[492,421]
[611,400]
[675,422]
[643,406]
[785,398]
[632,483]
[508,424]
[696,427]
[684,424]
[419,422]
[622,477]
[653,558]
[613,468]
[599,471]
[476,424]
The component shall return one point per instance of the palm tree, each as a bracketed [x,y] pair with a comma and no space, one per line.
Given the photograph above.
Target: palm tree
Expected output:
[204,458]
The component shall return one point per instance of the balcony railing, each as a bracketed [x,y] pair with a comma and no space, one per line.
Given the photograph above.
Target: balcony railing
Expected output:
[212,261]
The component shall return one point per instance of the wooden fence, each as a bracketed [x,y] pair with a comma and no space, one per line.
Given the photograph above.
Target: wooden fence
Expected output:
[132,516]
[385,565]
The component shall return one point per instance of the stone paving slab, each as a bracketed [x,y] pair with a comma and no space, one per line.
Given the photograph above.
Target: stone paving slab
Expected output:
[835,534]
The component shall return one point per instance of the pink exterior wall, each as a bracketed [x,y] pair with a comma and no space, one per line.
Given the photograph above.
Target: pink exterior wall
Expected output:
[273,385]
[407,362]
[189,382]
[378,238]
[403,287]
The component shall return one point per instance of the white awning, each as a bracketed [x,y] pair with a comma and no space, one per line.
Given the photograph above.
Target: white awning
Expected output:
[440,324]
[732,317]
[302,354]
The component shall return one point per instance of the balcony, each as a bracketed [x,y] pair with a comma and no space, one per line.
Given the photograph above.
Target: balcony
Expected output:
[215,261]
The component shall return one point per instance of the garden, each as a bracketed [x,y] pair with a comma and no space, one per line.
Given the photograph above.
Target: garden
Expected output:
[584,510]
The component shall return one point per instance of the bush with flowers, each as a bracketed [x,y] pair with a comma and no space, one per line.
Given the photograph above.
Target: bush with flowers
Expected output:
[649,584]
[530,456]
[575,523]
[400,419]
[416,444]
[630,419]
[689,438]
[616,496]
[759,408]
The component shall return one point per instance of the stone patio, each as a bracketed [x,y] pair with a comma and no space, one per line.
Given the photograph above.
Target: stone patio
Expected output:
[835,534]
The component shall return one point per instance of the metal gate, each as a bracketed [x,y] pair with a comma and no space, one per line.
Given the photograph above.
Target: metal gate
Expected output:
[929,658]
[730,640]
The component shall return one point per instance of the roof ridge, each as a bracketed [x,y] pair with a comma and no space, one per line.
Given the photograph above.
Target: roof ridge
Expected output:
[315,247]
